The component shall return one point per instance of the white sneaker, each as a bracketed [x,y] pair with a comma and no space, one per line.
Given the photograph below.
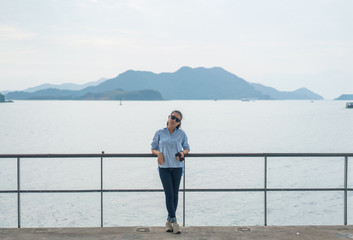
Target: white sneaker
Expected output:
[168,227]
[175,226]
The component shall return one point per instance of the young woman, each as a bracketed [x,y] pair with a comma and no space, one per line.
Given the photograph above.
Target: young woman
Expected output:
[166,144]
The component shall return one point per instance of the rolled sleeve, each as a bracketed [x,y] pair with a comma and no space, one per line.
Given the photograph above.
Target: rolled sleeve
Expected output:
[185,143]
[155,141]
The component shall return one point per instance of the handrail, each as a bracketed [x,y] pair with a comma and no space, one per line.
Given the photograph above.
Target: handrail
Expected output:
[143,155]
[103,155]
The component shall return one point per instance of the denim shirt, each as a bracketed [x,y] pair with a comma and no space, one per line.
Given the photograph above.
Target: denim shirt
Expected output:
[169,145]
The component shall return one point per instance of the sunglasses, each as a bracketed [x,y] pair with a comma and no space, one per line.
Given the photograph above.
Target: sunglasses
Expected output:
[175,118]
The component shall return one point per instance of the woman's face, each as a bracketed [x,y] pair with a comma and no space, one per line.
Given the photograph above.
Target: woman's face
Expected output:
[174,119]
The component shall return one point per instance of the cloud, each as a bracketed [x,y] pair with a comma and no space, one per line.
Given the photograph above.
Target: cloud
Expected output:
[136,5]
[9,33]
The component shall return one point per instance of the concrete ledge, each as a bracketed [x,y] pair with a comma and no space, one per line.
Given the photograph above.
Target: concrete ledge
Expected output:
[192,233]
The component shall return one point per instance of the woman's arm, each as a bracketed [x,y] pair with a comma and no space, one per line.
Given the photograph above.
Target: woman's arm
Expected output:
[160,157]
[186,151]
[155,152]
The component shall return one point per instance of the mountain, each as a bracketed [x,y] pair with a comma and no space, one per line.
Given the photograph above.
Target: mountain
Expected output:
[345,97]
[65,86]
[186,83]
[299,94]
[305,93]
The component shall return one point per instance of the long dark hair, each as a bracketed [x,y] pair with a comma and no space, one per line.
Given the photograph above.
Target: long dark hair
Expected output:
[181,115]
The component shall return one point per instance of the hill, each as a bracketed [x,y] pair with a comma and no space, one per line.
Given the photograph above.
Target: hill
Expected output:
[56,94]
[65,86]
[345,97]
[299,94]
[185,84]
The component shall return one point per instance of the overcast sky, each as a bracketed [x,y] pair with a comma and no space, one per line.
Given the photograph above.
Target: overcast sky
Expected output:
[286,44]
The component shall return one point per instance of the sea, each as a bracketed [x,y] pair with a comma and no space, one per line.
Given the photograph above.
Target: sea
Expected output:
[212,126]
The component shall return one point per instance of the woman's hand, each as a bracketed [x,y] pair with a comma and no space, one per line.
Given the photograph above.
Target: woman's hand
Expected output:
[180,156]
[160,158]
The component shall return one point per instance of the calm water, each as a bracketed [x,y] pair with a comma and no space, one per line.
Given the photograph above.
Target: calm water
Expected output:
[212,126]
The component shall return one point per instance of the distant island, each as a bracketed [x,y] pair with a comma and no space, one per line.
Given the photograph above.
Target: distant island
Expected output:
[185,84]
[3,100]
[64,86]
[345,97]
[56,94]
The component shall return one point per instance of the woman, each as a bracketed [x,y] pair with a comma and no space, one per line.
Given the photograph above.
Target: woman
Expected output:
[166,144]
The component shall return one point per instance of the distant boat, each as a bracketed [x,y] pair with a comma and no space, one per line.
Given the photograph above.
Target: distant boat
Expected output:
[349,105]
[245,99]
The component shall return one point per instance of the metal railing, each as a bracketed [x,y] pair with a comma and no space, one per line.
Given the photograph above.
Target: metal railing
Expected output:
[345,189]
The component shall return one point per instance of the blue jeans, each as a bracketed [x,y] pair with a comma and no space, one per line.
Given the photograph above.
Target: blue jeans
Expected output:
[170,178]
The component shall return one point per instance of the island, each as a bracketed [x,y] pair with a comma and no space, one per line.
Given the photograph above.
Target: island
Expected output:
[185,84]
[345,97]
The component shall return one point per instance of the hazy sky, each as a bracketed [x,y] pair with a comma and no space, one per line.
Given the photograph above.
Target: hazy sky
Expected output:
[286,44]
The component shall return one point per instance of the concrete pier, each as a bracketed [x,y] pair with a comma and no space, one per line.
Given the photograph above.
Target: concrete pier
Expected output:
[192,233]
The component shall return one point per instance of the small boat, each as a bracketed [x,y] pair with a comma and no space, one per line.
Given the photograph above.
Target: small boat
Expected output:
[349,105]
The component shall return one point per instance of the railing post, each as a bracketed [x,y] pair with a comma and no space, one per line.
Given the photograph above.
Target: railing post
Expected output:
[265,191]
[184,195]
[102,189]
[18,194]
[345,189]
